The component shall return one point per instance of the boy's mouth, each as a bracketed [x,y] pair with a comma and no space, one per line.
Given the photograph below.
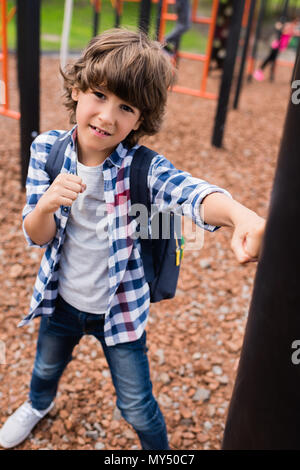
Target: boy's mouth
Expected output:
[99,130]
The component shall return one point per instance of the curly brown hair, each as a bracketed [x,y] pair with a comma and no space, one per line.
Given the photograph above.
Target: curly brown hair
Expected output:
[131,66]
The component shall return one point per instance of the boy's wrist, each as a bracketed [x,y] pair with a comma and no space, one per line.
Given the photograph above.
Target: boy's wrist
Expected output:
[219,209]
[40,226]
[238,213]
[41,211]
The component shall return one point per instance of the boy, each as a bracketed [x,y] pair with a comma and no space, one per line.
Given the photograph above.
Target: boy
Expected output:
[91,278]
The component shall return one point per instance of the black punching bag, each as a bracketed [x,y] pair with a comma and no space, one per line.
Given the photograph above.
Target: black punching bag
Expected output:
[264,411]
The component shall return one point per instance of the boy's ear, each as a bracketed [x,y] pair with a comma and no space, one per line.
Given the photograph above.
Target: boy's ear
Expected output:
[74,94]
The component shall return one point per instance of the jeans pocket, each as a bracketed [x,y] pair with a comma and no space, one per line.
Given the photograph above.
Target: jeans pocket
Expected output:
[62,320]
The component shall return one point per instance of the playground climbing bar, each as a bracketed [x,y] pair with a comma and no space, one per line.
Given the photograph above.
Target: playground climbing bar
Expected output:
[228,69]
[4,94]
[211,21]
[96,16]
[28,45]
[145,12]
[250,13]
[118,6]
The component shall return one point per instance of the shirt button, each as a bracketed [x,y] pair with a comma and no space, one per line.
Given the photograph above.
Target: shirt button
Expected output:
[65,209]
[39,297]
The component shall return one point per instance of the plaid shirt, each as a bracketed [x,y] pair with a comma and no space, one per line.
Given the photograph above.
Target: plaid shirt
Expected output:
[129,299]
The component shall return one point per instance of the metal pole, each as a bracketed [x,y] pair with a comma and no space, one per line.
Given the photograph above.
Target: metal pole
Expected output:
[117,13]
[261,16]
[28,47]
[244,55]
[145,11]
[5,102]
[162,22]
[285,9]
[264,408]
[228,69]
[96,17]
[158,18]
[66,32]
[209,47]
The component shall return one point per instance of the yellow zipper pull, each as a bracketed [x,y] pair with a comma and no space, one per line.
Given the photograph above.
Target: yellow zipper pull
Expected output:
[177,256]
[181,248]
[177,253]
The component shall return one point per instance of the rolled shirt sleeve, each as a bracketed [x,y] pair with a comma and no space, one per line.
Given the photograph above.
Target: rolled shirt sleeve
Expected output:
[178,191]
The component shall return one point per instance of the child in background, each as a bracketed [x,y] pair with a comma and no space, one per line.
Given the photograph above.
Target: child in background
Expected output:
[91,278]
[285,32]
[182,25]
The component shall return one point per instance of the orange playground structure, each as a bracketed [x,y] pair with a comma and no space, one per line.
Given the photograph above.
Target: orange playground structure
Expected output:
[4,95]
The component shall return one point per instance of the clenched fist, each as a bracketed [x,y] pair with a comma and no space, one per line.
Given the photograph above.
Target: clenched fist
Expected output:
[63,192]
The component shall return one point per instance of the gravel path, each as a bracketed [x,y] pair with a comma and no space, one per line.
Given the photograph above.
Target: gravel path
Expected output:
[195,339]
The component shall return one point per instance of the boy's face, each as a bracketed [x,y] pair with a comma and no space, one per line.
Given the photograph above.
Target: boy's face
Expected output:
[103,120]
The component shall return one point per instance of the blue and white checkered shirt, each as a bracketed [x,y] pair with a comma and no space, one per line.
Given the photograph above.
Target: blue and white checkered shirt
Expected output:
[129,299]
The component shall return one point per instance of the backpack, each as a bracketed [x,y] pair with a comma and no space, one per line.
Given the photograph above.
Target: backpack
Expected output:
[161,257]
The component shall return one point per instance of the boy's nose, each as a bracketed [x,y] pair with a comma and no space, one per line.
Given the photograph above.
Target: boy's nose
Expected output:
[106,117]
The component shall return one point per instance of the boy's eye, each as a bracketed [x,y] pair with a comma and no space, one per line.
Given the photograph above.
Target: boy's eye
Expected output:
[99,94]
[127,108]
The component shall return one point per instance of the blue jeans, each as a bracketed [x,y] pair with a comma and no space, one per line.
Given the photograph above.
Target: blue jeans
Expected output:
[128,363]
[182,23]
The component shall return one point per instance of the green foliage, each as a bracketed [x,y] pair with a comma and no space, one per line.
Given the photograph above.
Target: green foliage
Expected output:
[52,13]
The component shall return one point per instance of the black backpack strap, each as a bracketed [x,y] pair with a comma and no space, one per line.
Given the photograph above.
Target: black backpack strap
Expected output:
[139,194]
[55,158]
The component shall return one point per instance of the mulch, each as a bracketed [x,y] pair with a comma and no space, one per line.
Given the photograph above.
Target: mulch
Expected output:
[194,339]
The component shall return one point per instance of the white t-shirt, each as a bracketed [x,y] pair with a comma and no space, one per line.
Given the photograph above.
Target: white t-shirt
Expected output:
[83,269]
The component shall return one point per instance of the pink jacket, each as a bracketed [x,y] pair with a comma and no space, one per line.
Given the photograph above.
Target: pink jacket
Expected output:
[282,43]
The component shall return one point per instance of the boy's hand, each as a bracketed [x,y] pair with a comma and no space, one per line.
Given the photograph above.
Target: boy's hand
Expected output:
[247,238]
[63,192]
[248,228]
